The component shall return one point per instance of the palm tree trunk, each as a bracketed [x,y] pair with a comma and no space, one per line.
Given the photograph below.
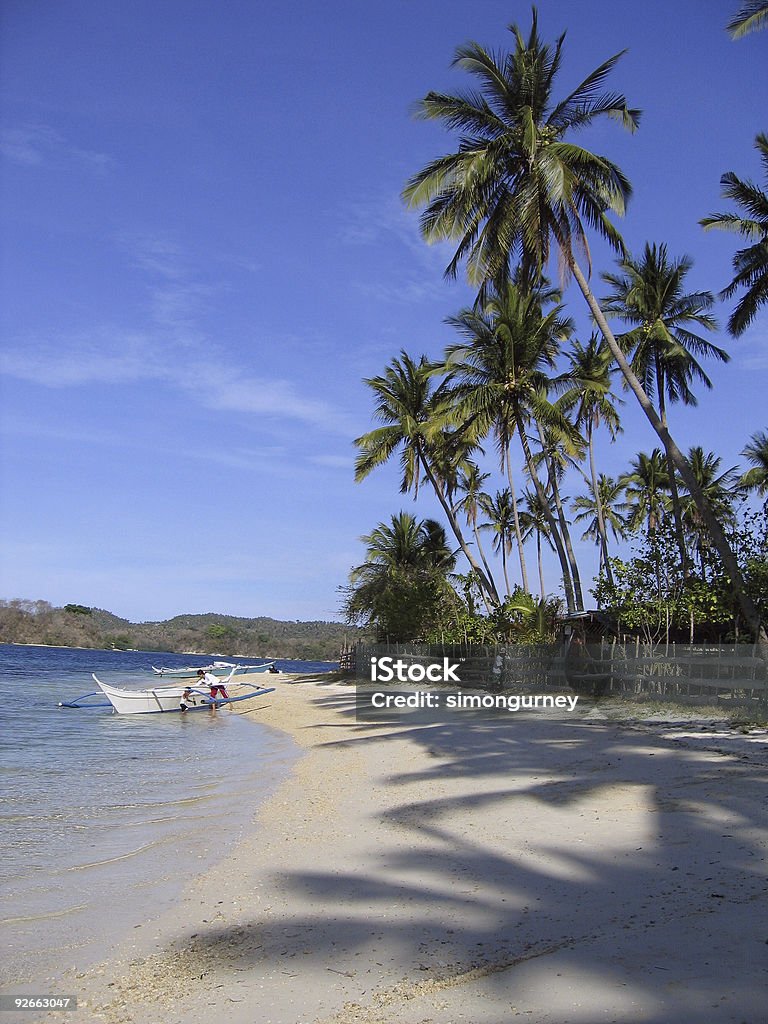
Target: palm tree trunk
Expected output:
[483,559]
[516,520]
[541,564]
[566,535]
[599,507]
[541,494]
[715,530]
[487,584]
[677,510]
[504,562]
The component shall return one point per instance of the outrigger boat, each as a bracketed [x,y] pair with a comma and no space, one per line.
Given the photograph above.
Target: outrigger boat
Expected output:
[218,668]
[158,699]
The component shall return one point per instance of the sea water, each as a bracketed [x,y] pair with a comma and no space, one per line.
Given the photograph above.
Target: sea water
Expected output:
[105,817]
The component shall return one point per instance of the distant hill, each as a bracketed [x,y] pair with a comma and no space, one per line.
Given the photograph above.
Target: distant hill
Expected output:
[74,625]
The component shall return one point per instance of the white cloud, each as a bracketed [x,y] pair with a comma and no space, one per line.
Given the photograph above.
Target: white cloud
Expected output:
[219,386]
[103,358]
[109,357]
[33,145]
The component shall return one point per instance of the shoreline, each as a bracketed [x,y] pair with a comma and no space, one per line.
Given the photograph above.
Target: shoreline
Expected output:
[135,859]
[468,871]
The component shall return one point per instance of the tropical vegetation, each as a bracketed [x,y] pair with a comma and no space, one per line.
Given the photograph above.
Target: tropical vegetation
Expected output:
[516,194]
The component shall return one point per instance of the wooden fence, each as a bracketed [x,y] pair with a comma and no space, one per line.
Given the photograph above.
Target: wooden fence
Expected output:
[699,673]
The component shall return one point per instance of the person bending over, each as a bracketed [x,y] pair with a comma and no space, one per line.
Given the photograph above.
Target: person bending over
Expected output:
[215,684]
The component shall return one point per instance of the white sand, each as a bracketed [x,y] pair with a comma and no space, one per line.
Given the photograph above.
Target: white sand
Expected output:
[474,870]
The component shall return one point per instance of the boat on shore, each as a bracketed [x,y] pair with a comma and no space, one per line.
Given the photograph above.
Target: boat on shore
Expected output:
[216,668]
[160,698]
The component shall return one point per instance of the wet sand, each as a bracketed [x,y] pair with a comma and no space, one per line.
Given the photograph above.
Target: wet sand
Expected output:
[476,869]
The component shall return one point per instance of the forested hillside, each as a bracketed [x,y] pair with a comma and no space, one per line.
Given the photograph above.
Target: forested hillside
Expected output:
[38,622]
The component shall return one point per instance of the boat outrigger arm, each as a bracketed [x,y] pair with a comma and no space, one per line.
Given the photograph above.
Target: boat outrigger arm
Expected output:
[83,707]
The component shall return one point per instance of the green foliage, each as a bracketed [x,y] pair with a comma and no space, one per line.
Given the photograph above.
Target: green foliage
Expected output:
[402,590]
[224,638]
[118,643]
[522,619]
[652,597]
[406,603]
[750,264]
[529,620]
[77,609]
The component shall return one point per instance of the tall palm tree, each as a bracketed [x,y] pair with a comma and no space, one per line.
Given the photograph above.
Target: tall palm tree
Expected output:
[517,186]
[649,294]
[533,520]
[517,310]
[498,512]
[646,488]
[498,379]
[602,510]
[756,478]
[719,489]
[450,453]
[594,404]
[750,18]
[470,484]
[413,412]
[559,449]
[750,263]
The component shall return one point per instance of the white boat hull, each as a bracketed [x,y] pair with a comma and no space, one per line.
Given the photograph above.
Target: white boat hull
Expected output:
[144,702]
[166,698]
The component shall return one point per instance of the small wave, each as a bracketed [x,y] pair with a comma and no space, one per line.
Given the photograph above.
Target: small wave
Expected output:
[127,855]
[48,916]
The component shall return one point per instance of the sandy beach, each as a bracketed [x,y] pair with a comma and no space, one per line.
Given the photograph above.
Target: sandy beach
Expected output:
[476,869]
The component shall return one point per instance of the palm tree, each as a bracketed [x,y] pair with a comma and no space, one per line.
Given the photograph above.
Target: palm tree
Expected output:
[719,489]
[515,184]
[601,510]
[663,344]
[533,520]
[516,187]
[498,511]
[414,413]
[646,488]
[751,263]
[470,484]
[751,17]
[493,327]
[407,543]
[498,379]
[402,557]
[559,449]
[594,404]
[756,478]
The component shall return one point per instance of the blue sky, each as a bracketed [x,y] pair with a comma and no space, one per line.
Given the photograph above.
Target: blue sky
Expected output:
[204,252]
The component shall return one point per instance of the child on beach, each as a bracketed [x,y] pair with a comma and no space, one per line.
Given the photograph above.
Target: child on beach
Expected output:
[187,700]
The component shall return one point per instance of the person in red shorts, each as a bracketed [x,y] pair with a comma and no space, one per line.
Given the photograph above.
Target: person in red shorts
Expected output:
[216,685]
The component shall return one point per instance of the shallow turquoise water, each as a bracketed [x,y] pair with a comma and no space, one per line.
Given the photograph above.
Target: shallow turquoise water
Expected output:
[101,815]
